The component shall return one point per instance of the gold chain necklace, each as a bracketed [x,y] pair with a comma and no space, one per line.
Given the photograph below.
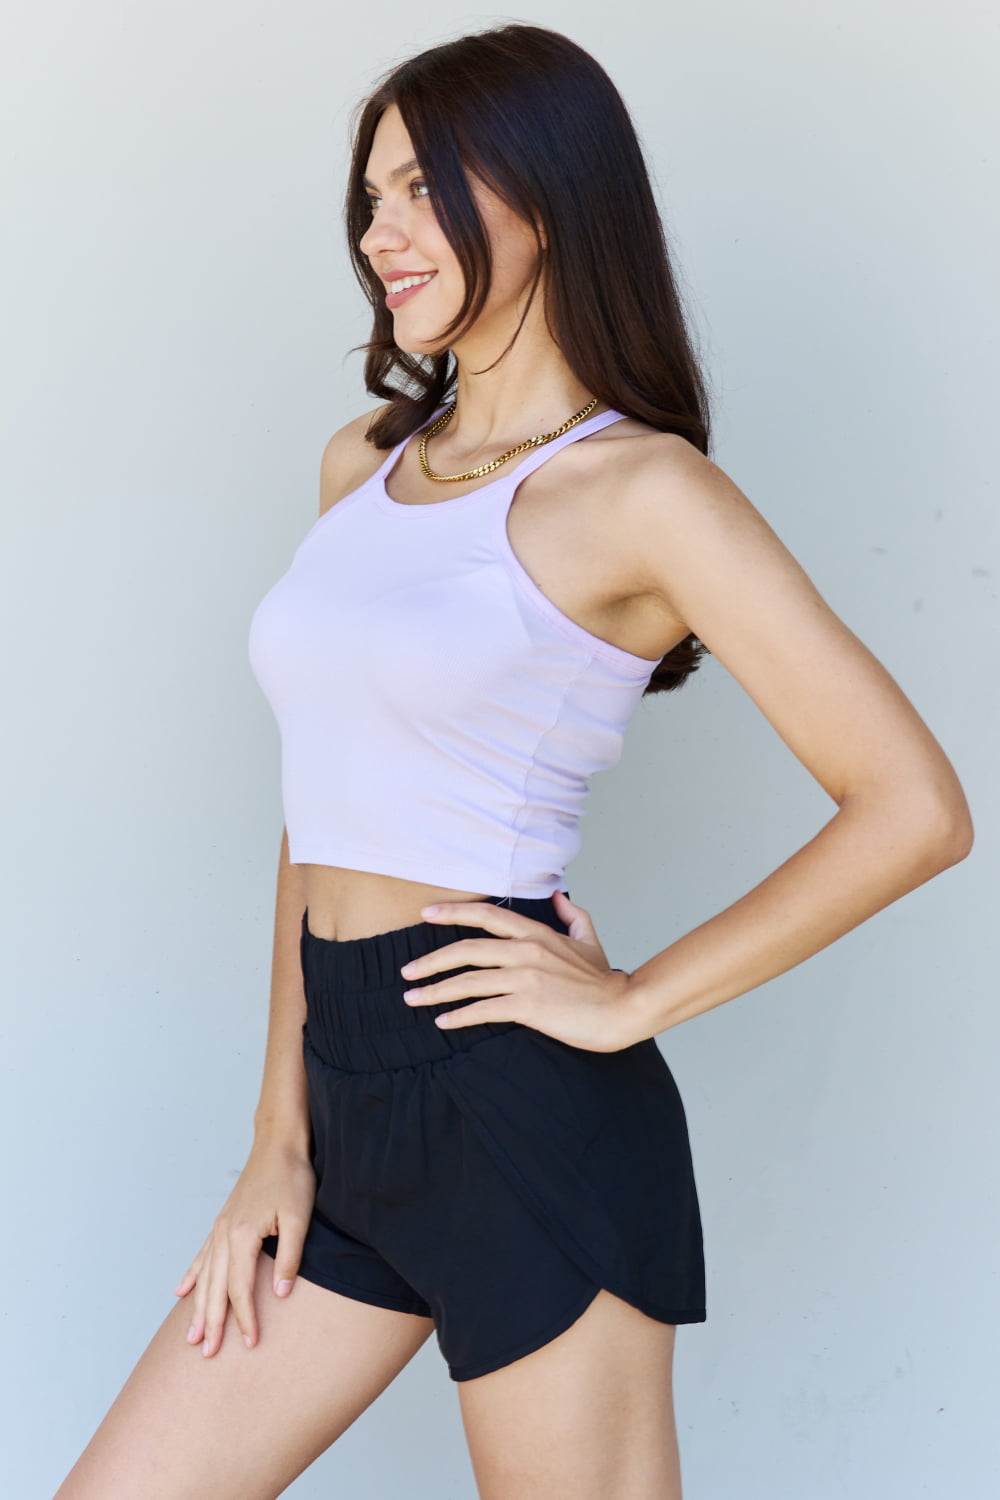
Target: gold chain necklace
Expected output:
[535,442]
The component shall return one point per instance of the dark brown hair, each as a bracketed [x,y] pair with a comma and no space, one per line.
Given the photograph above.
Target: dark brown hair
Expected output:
[538,120]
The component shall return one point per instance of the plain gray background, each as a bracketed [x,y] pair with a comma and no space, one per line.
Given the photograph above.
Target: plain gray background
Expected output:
[178,314]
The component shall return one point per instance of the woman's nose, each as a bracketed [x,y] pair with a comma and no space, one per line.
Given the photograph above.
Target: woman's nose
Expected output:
[384,234]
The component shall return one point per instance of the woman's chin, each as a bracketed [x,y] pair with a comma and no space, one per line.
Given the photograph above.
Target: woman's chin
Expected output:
[412,343]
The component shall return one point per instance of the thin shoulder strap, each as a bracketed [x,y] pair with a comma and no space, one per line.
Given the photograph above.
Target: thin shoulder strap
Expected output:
[390,459]
[526,465]
[546,450]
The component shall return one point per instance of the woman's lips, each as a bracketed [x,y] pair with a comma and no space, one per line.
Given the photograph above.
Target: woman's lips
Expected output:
[396,299]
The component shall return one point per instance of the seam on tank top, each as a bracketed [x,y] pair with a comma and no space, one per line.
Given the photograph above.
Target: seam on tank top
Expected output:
[632,669]
[543,736]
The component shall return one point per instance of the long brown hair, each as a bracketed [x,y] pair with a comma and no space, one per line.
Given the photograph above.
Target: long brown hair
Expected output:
[540,122]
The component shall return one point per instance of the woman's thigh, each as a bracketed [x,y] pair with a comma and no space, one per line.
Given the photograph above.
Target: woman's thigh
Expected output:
[243,1423]
[589,1416]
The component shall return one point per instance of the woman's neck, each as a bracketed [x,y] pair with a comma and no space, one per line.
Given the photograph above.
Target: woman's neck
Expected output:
[531,390]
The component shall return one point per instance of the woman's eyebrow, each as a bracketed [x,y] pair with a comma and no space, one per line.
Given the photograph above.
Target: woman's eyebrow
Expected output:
[396,172]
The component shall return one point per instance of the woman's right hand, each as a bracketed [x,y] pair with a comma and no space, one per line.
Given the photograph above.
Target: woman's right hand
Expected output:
[274,1194]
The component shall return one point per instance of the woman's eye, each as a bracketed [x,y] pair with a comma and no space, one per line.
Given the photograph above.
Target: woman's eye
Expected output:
[374,201]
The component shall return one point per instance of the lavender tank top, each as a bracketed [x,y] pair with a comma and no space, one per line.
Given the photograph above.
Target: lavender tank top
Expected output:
[440,719]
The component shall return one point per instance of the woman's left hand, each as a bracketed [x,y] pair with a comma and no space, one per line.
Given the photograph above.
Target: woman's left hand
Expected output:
[559,983]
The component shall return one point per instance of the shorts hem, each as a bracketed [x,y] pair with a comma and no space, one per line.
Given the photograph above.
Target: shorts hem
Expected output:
[528,1346]
[657,1311]
[361,1294]
[618,1277]
[674,1315]
[538,1341]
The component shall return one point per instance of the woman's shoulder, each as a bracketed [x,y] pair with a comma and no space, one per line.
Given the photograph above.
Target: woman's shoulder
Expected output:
[674,510]
[348,459]
[666,470]
[637,445]
[641,459]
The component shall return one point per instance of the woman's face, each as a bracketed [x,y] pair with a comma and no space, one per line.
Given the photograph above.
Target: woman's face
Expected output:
[405,239]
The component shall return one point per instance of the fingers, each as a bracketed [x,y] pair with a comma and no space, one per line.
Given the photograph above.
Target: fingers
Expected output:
[482,951]
[482,914]
[485,982]
[291,1238]
[190,1276]
[224,1272]
[193,1277]
[197,1325]
[577,918]
[211,1298]
[244,1249]
[471,1015]
[488,956]
[215,1304]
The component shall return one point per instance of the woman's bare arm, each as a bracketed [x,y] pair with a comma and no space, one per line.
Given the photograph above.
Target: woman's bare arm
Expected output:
[720,571]
[282,1113]
[275,1191]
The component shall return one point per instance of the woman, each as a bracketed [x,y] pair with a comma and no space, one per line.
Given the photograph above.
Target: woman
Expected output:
[465,1125]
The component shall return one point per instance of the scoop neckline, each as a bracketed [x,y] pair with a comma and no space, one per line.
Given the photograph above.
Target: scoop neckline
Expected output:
[456,502]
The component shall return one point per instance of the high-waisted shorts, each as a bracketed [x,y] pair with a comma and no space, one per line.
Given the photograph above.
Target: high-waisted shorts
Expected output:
[489,1176]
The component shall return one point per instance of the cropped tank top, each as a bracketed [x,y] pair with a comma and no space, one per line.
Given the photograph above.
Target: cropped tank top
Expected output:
[439,717]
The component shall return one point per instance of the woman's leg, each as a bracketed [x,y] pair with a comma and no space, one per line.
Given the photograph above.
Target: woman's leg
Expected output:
[243,1423]
[589,1416]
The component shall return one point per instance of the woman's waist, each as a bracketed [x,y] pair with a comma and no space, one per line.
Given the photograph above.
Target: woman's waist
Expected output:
[347,905]
[358,892]
[356,1015]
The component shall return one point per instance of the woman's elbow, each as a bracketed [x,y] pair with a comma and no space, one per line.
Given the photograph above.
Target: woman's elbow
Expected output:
[927,826]
[947,829]
[961,837]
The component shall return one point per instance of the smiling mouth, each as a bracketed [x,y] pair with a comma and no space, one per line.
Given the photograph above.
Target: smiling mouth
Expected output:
[405,288]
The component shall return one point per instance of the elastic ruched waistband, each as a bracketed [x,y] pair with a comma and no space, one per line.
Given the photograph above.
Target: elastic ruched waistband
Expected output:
[357,1018]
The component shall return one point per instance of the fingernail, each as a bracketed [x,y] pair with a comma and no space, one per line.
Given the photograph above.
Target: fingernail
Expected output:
[191,1334]
[248,1341]
[410,994]
[428,911]
[283,1288]
[205,1347]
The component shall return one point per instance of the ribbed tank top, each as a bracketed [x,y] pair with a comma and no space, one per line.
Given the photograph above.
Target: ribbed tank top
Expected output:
[440,718]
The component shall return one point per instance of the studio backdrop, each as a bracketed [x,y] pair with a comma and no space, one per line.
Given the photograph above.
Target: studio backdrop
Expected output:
[179,311]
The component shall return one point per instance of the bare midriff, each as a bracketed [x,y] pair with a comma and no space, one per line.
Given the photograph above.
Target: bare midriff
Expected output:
[345,904]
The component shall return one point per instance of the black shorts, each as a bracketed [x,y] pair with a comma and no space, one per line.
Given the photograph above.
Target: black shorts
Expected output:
[489,1177]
